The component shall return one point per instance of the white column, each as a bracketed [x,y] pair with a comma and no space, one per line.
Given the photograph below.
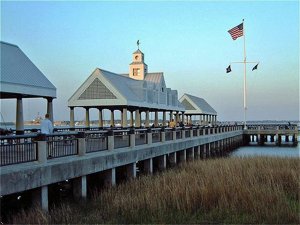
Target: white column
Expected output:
[44,198]
[109,177]
[100,118]
[87,117]
[80,188]
[124,117]
[19,116]
[147,122]
[156,118]
[164,118]
[112,118]
[162,162]
[148,166]
[177,117]
[72,120]
[50,108]
[137,118]
[171,115]
[131,118]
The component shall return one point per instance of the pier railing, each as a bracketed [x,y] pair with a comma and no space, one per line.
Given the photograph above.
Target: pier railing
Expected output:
[15,149]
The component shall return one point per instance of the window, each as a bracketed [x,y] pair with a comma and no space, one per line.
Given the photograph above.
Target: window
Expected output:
[162,89]
[136,72]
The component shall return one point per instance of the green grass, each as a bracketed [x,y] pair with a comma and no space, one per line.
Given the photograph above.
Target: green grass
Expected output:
[226,190]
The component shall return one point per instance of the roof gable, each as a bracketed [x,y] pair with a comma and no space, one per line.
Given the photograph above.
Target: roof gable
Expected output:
[199,104]
[187,105]
[97,90]
[94,90]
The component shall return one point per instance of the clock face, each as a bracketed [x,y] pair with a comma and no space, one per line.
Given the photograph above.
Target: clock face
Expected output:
[136,57]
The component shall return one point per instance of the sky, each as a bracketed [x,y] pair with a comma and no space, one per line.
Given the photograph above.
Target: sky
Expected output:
[188,41]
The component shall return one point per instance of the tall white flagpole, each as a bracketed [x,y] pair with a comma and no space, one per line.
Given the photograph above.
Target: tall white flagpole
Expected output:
[245,84]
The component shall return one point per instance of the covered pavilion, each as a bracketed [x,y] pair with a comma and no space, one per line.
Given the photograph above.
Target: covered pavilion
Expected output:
[134,93]
[195,106]
[20,78]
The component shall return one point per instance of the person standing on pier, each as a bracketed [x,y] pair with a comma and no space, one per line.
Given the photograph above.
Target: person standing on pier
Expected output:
[172,124]
[46,125]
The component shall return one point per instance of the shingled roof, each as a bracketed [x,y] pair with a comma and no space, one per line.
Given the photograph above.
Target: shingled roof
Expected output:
[195,105]
[19,75]
[106,89]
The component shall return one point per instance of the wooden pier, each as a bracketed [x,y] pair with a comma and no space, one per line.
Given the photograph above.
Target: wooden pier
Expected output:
[271,134]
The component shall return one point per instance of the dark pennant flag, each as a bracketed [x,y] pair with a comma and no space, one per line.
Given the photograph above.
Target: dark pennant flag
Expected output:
[228,69]
[255,67]
[236,32]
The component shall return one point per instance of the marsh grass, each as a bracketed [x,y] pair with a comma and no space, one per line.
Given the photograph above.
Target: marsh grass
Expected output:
[226,190]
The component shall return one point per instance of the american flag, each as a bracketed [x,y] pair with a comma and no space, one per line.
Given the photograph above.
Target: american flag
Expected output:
[236,32]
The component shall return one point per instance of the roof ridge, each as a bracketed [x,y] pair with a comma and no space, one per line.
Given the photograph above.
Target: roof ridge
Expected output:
[3,42]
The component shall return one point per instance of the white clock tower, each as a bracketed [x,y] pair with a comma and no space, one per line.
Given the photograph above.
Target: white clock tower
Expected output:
[138,68]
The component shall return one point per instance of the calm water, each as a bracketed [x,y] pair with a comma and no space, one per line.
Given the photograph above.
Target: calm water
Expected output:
[267,151]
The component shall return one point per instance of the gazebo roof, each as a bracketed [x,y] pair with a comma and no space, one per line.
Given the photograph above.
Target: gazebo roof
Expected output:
[20,77]
[106,89]
[196,106]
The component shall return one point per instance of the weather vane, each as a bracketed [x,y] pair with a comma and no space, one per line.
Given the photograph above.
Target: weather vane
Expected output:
[138,44]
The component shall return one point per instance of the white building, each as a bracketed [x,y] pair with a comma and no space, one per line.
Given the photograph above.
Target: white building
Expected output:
[136,92]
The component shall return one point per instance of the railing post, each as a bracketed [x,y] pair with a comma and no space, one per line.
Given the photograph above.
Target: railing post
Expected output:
[81,144]
[42,148]
[174,134]
[110,140]
[198,131]
[191,133]
[132,138]
[183,133]
[149,136]
[163,135]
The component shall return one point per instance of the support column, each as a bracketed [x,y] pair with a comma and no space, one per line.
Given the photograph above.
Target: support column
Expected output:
[137,118]
[148,166]
[177,118]
[182,156]
[112,118]
[162,162]
[19,117]
[182,117]
[204,155]
[87,117]
[109,177]
[197,152]
[100,118]
[124,117]
[80,188]
[171,115]
[50,108]
[156,118]
[190,154]
[131,170]
[40,197]
[164,118]
[72,120]
[147,120]
[208,152]
[172,159]
[131,118]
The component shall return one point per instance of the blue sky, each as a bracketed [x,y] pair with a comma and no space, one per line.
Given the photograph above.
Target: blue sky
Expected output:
[188,41]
